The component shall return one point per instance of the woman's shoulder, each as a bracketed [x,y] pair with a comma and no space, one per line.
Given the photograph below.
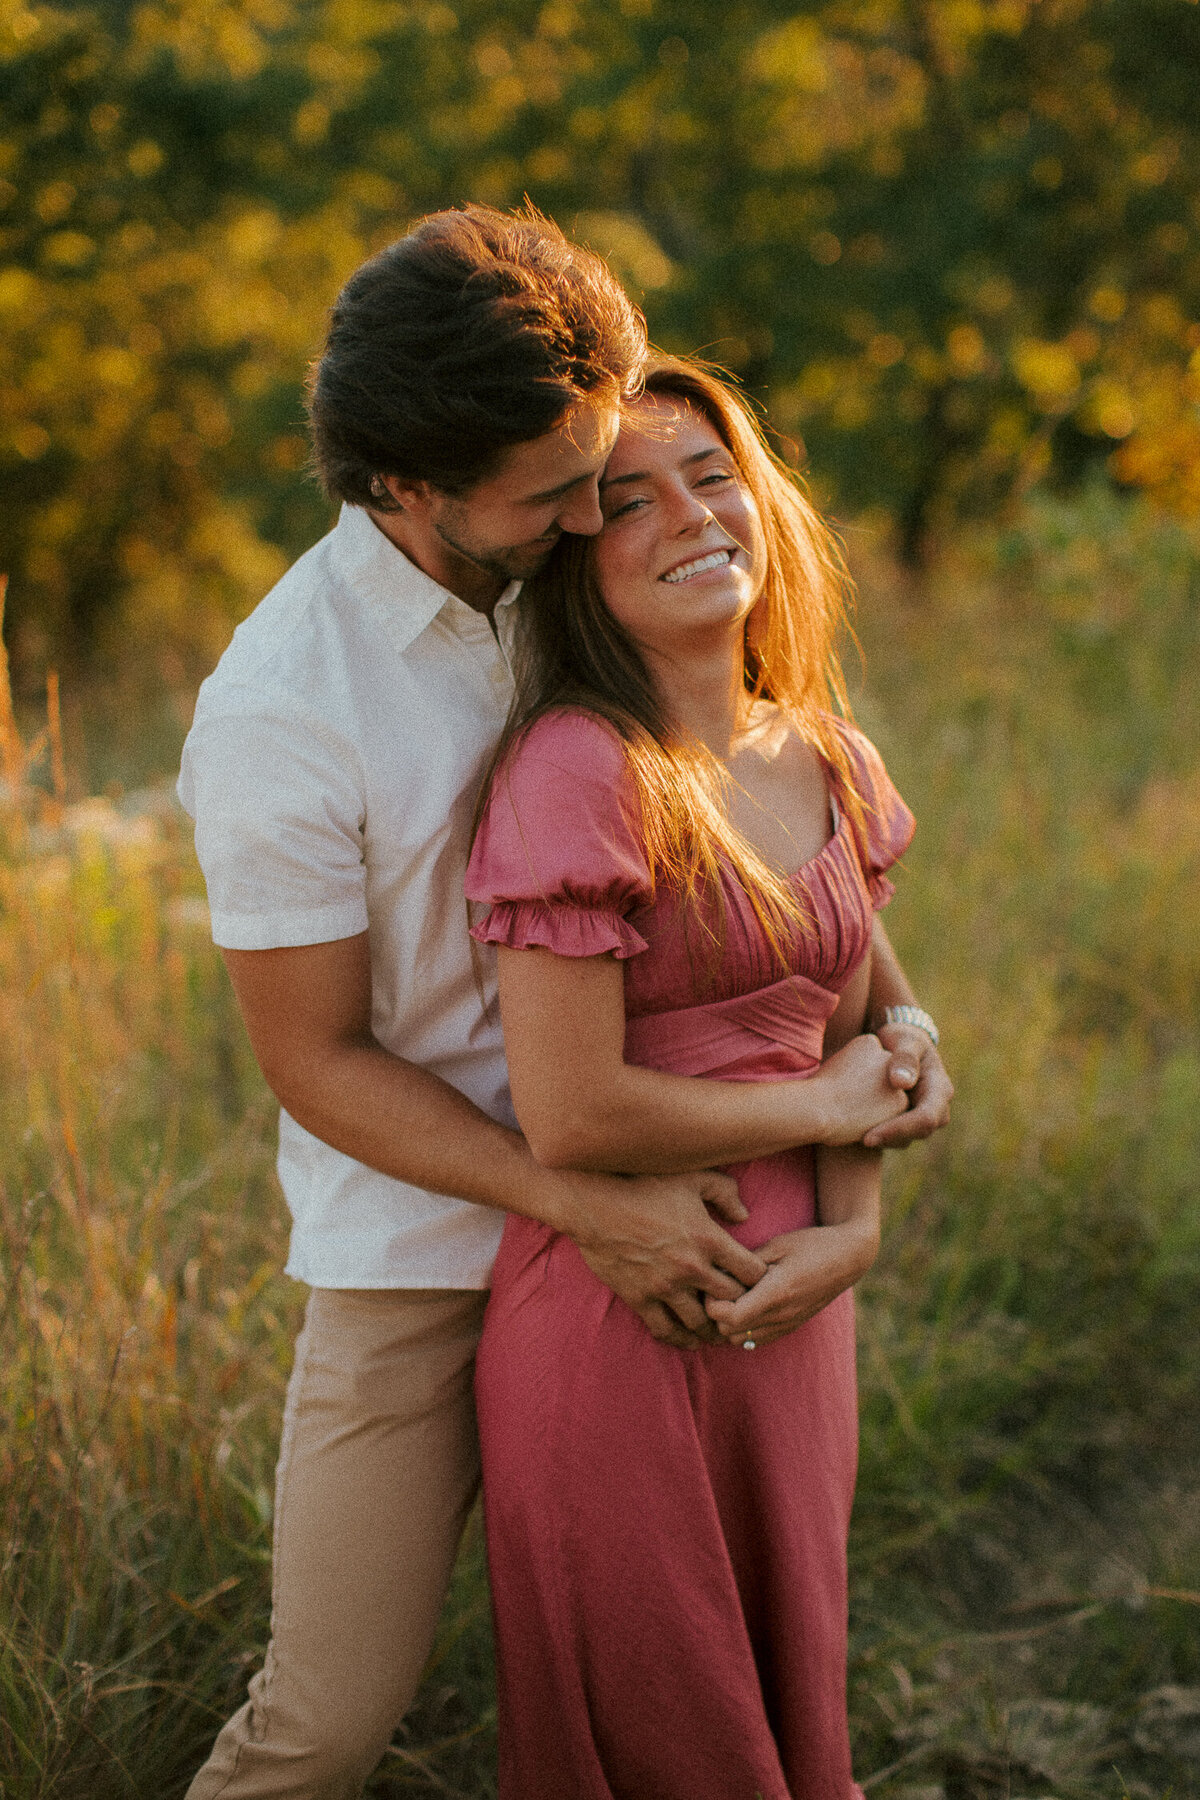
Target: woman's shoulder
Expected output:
[559,823]
[570,737]
[887,823]
[870,776]
[567,770]
[852,736]
[562,750]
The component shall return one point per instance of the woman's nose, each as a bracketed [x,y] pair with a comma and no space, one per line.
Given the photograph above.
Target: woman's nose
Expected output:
[686,511]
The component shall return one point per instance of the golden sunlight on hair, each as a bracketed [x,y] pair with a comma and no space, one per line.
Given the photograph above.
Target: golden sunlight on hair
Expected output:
[573,653]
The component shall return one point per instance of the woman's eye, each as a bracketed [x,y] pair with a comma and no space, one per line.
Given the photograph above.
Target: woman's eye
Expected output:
[717,475]
[627,506]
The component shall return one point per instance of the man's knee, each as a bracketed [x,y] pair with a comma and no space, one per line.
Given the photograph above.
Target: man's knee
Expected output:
[343,1727]
[340,1750]
[305,1746]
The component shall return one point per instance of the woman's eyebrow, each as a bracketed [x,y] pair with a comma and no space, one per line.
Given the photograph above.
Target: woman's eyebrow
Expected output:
[643,474]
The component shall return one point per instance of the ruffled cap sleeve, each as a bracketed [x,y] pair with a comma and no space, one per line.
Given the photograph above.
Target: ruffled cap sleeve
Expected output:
[558,857]
[889,824]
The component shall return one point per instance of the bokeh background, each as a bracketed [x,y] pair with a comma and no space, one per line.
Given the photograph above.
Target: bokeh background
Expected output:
[953,248]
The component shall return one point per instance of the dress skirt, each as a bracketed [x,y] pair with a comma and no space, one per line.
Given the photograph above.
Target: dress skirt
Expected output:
[666,1535]
[667,1528]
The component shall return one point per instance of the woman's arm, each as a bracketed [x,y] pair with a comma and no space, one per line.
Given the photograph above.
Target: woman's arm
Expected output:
[581,1106]
[850,1177]
[807,1269]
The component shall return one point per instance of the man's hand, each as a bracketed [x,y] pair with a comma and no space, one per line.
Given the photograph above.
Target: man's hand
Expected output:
[916,1066]
[653,1241]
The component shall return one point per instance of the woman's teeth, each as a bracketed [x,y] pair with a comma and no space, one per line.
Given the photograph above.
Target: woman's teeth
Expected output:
[715,560]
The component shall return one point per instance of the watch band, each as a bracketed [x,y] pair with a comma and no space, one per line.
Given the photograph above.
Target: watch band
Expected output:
[911,1015]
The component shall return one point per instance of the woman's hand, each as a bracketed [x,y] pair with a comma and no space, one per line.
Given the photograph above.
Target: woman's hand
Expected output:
[805,1271]
[916,1066]
[930,1094]
[860,1090]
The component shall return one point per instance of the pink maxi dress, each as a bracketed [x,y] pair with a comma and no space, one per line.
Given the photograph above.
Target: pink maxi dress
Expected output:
[667,1528]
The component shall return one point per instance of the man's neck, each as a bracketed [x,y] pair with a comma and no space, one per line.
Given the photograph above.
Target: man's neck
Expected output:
[477,588]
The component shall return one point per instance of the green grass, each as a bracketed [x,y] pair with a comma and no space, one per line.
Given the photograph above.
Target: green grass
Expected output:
[1027,1539]
[1026,1552]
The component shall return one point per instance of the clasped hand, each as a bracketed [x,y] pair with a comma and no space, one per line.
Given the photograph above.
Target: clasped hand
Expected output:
[659,1242]
[915,1066]
[806,1269]
[889,1089]
[886,1089]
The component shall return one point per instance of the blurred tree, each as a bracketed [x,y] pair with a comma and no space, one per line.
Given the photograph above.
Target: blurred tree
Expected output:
[955,246]
[165,272]
[952,243]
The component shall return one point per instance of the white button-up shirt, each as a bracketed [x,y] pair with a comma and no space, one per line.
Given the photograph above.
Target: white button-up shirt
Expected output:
[332,770]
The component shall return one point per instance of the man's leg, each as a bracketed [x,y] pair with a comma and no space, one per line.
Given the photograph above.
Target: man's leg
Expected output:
[378,1468]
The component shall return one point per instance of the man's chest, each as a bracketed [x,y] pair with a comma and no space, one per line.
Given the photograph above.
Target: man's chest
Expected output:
[427,737]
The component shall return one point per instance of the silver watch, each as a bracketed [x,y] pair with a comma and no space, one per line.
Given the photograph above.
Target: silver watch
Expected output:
[910,1015]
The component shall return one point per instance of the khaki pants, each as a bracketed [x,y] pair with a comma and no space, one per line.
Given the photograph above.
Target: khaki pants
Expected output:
[378,1468]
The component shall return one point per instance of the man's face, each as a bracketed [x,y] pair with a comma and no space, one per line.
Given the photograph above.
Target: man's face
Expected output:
[507,525]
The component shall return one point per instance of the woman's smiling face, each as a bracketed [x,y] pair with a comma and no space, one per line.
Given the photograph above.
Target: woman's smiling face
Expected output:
[681,556]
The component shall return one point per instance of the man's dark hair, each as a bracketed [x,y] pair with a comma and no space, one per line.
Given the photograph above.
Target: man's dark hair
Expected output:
[477,331]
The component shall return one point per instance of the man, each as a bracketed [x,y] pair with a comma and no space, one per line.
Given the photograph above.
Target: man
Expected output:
[463,411]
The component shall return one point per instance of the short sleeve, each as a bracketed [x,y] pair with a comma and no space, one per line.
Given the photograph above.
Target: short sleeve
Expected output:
[889,826]
[279,809]
[558,857]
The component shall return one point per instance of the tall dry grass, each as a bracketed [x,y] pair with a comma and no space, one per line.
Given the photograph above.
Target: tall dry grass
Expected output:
[144,1328]
[1027,1541]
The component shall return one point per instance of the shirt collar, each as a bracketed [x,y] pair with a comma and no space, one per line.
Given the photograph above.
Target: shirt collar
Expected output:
[395,591]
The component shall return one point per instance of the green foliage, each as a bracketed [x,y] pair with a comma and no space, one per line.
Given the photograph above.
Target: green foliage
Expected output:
[953,245]
[1026,1557]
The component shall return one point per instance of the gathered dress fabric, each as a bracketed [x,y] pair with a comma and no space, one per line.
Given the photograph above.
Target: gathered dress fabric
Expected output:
[667,1528]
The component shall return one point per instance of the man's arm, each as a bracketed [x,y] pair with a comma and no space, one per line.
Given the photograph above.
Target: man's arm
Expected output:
[912,1048]
[652,1240]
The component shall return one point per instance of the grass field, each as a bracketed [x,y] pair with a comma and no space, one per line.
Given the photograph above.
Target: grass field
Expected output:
[1026,1551]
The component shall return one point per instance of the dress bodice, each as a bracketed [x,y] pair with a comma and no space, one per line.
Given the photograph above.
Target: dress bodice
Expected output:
[559,861]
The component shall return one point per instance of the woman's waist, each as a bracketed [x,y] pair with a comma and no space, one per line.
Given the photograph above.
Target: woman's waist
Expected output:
[778,1192]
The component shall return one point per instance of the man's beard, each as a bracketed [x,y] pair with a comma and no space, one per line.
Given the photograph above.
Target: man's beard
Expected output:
[515,562]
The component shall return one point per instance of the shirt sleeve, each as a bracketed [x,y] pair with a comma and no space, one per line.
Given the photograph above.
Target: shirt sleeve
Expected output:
[558,857]
[279,811]
[889,826]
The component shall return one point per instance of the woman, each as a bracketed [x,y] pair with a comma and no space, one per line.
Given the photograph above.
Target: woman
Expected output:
[681,851]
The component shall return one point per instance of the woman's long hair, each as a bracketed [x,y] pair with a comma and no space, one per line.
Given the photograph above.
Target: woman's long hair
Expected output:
[573,653]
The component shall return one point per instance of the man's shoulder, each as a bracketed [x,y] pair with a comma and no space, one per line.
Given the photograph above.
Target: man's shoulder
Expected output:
[287,638]
[280,699]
